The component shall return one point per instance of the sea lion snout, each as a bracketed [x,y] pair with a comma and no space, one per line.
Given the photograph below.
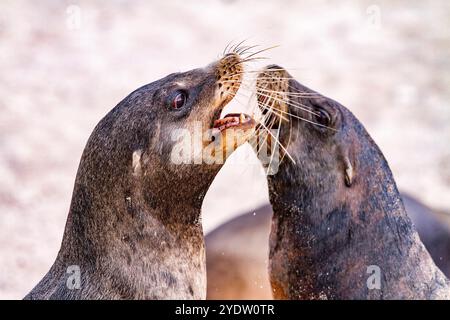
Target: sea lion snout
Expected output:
[306,117]
[229,72]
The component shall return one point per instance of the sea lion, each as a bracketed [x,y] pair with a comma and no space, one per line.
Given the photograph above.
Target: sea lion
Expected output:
[134,229]
[339,228]
[237,271]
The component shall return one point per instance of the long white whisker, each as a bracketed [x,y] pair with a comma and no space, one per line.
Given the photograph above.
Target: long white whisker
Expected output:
[290,103]
[281,145]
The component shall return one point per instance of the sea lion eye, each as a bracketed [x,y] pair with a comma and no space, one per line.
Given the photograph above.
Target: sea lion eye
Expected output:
[179,100]
[323,118]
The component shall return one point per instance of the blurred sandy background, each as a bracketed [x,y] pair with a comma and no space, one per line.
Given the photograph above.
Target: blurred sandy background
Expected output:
[64,64]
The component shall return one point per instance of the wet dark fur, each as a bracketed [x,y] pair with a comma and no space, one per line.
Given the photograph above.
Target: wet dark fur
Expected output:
[325,234]
[136,233]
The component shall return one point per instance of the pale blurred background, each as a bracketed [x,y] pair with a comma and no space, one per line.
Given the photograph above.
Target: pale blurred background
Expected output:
[65,64]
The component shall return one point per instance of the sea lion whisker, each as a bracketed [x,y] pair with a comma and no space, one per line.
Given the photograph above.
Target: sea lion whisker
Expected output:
[231,48]
[269,125]
[266,138]
[244,96]
[239,52]
[255,58]
[255,79]
[258,72]
[244,49]
[290,103]
[262,50]
[273,78]
[278,139]
[287,93]
[266,72]
[234,95]
[295,116]
[268,76]
[312,122]
[237,47]
[306,120]
[248,48]
[272,110]
[281,145]
[270,122]
[248,60]
[224,52]
[289,140]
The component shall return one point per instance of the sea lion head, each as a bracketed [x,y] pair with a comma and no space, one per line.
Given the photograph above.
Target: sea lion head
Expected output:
[134,228]
[152,149]
[317,135]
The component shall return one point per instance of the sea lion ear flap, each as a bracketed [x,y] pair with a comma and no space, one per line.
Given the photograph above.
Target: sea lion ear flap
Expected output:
[348,165]
[349,171]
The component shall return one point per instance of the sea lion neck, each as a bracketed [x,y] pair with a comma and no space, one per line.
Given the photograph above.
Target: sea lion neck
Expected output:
[112,203]
[328,232]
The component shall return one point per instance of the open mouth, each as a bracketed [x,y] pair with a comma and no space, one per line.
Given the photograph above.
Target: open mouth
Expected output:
[235,120]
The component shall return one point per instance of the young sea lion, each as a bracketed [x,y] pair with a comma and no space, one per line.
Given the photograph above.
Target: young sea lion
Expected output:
[133,229]
[237,271]
[339,229]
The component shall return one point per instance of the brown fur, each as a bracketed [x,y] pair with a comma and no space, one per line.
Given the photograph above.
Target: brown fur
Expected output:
[134,222]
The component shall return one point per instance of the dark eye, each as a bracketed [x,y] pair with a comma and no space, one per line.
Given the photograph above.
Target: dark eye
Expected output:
[179,100]
[323,118]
